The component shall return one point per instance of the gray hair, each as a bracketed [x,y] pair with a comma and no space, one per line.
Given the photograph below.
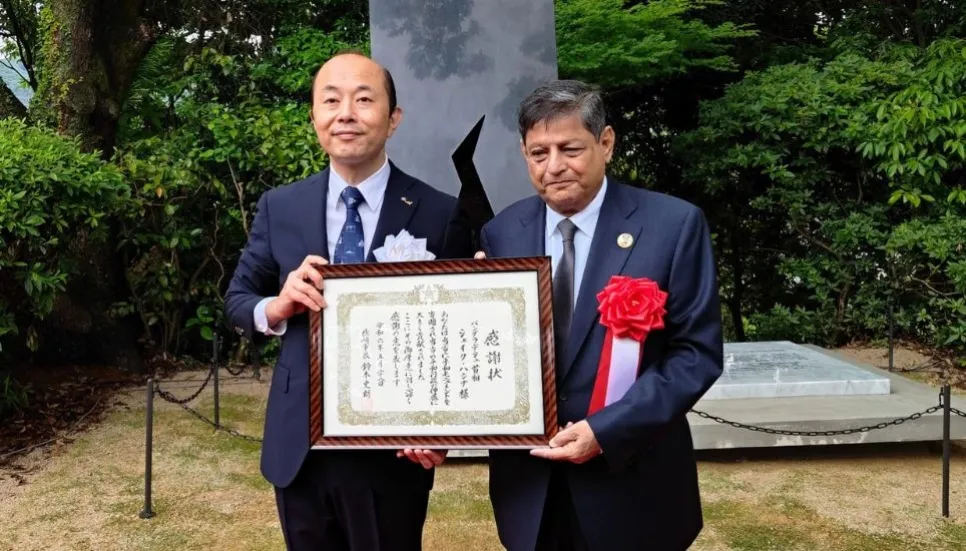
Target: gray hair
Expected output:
[561,98]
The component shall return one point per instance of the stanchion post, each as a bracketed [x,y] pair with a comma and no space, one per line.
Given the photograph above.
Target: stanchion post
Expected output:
[214,365]
[147,513]
[947,444]
[257,361]
[892,346]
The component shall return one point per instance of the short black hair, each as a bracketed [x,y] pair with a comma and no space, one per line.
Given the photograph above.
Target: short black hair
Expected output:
[390,83]
[559,99]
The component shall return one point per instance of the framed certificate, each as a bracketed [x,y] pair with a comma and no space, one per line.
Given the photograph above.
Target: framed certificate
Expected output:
[453,354]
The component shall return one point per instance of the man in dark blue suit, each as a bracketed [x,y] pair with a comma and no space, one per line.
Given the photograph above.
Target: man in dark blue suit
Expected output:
[334,500]
[622,477]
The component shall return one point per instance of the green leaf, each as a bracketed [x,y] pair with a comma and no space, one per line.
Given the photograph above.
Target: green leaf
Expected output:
[207,333]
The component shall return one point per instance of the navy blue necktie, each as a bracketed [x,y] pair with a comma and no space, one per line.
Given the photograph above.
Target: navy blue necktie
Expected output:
[351,248]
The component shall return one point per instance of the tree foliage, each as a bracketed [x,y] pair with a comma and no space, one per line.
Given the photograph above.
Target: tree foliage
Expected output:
[50,193]
[824,140]
[807,163]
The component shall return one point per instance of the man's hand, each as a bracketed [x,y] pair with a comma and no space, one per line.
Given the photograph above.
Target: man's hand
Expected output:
[576,444]
[480,255]
[300,292]
[427,458]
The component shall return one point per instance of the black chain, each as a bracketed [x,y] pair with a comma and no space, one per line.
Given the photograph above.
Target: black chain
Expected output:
[957,412]
[221,428]
[868,428]
[168,397]
[234,372]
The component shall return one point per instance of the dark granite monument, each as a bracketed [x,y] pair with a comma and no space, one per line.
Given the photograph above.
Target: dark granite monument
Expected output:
[461,68]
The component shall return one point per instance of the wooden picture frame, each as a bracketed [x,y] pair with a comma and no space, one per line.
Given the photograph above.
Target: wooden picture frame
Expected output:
[505,306]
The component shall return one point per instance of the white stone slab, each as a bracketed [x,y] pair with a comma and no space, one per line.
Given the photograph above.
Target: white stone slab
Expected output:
[785,369]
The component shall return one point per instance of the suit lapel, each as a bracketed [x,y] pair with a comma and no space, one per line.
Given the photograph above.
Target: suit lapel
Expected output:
[606,259]
[312,217]
[397,209]
[532,237]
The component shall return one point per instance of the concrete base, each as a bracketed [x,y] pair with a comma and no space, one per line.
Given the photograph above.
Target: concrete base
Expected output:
[821,413]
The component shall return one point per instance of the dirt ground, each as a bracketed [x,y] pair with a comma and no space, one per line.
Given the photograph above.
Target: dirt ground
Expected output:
[85,492]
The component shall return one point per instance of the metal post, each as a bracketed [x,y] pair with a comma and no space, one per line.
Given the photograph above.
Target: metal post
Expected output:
[892,345]
[257,361]
[147,513]
[214,365]
[946,450]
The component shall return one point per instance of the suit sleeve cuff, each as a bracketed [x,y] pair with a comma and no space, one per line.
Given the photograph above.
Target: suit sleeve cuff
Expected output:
[261,320]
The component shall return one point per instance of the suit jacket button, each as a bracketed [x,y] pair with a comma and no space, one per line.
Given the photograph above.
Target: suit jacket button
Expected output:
[564,397]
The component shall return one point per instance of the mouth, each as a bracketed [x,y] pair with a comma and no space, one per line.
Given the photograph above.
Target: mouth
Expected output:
[559,184]
[347,134]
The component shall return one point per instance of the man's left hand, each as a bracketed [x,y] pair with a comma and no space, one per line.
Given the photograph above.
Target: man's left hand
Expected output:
[576,444]
[427,458]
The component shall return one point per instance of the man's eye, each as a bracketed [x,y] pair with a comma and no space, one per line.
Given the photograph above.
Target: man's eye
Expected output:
[365,99]
[330,100]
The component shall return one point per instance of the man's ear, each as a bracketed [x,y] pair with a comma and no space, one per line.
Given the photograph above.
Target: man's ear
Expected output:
[395,119]
[607,139]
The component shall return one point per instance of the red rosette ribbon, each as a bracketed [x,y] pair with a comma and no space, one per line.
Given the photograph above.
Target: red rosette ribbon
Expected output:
[630,308]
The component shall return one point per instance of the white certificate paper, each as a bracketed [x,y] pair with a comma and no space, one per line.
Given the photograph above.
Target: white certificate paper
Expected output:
[432,355]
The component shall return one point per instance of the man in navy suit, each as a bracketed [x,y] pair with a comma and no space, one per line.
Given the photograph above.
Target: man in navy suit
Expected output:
[334,500]
[622,477]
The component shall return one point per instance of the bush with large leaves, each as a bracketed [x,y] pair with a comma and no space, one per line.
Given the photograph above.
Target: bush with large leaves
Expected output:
[236,126]
[826,177]
[53,200]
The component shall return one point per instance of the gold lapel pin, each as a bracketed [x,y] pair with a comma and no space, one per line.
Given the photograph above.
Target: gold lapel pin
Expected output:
[407,201]
[625,240]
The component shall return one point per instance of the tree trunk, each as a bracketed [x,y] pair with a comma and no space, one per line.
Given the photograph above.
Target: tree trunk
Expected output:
[92,53]
[96,49]
[10,106]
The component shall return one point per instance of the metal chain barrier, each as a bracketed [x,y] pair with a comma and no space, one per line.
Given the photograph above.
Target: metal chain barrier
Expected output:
[168,397]
[221,428]
[234,372]
[842,432]
[183,402]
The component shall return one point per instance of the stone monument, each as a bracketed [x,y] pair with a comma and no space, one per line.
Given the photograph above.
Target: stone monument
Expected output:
[785,369]
[461,68]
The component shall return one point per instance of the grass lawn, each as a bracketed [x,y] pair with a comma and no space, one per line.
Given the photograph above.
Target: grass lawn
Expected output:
[208,493]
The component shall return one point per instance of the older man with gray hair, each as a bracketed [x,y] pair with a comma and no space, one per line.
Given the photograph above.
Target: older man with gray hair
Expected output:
[633,352]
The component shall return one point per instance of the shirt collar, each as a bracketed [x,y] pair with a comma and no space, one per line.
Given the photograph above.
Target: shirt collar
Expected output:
[585,220]
[373,188]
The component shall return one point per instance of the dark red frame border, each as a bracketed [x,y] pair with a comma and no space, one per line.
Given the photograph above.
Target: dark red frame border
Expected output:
[541,265]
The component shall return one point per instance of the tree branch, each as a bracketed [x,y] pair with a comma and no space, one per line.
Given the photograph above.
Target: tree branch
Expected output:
[24,37]
[816,242]
[927,285]
[241,198]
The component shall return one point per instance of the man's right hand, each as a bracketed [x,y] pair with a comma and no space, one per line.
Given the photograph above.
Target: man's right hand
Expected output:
[301,292]
[480,255]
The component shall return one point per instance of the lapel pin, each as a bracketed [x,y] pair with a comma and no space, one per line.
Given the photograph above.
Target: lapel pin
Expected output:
[625,240]
[407,201]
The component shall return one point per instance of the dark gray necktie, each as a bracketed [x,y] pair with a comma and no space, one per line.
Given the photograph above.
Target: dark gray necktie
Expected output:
[563,290]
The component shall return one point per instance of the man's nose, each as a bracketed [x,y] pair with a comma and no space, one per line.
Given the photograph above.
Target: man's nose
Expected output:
[346,112]
[556,163]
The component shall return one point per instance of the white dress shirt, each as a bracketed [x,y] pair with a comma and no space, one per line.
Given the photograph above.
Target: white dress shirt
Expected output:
[373,190]
[586,222]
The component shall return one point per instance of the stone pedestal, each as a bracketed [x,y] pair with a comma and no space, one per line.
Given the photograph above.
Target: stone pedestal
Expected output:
[785,369]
